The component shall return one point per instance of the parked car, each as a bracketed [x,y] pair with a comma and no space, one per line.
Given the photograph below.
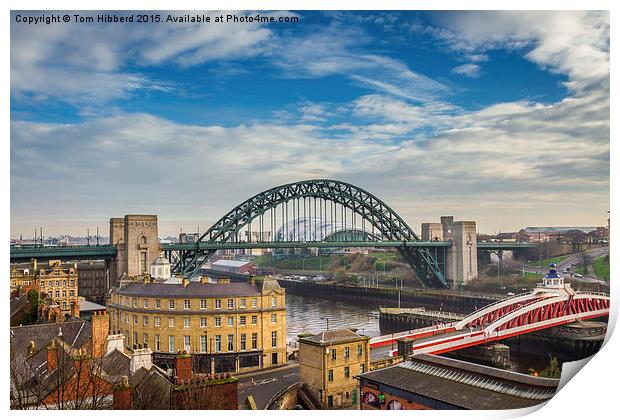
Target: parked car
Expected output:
[578,275]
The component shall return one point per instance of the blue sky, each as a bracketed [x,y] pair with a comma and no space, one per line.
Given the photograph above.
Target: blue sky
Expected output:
[490,116]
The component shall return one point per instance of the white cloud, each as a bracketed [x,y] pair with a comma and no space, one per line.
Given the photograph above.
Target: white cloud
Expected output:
[86,64]
[469,70]
[575,43]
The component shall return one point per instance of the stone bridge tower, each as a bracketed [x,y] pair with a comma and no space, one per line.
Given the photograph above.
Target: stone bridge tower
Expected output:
[137,242]
[462,256]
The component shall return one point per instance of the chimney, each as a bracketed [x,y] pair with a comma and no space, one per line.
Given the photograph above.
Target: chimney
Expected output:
[141,358]
[204,279]
[183,366]
[75,309]
[123,399]
[52,356]
[115,342]
[185,282]
[100,329]
[223,281]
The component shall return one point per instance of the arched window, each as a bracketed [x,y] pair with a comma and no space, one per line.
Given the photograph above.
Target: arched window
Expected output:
[394,405]
[143,240]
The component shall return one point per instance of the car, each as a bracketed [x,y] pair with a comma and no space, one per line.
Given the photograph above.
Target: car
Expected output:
[510,294]
[578,275]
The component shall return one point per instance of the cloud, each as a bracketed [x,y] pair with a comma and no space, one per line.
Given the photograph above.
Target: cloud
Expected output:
[575,43]
[339,50]
[87,64]
[524,153]
[469,70]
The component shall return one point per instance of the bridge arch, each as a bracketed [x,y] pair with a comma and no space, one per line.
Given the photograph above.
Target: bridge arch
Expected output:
[365,205]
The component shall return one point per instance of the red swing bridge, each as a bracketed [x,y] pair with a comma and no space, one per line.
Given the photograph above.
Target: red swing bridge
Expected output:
[553,302]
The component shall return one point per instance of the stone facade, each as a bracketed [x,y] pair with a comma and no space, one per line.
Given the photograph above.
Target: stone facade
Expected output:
[137,242]
[432,232]
[57,280]
[229,327]
[329,362]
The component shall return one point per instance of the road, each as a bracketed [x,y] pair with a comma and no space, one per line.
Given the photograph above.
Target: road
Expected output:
[576,259]
[263,386]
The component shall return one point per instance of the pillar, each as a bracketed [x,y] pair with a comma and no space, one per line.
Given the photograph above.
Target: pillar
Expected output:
[462,257]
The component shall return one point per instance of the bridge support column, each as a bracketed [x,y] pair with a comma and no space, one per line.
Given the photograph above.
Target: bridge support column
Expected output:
[462,257]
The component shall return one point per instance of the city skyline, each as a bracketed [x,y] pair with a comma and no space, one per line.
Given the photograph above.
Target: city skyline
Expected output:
[490,116]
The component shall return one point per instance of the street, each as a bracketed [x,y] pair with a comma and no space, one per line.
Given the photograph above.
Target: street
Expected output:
[264,385]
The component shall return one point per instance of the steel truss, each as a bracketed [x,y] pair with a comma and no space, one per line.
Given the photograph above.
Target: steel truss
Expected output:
[390,226]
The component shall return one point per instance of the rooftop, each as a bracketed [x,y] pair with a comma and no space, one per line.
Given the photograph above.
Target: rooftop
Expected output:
[230,263]
[343,335]
[465,384]
[193,289]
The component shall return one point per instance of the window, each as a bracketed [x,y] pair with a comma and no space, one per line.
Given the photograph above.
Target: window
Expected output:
[254,341]
[143,268]
[203,303]
[145,320]
[360,350]
[186,304]
[347,353]
[135,319]
[171,304]
[231,342]
[203,343]
[273,301]
[158,303]
[330,375]
[254,302]
[218,321]
[64,293]
[231,321]
[254,319]
[333,354]
[274,318]
[135,338]
[218,343]
[231,303]
[171,322]
[157,321]
[145,302]
[274,339]
[71,293]
[242,321]
[145,339]
[187,343]
[218,303]
[157,343]
[203,322]
[242,303]
[186,322]
[171,344]
[57,293]
[242,342]
[362,368]
[347,371]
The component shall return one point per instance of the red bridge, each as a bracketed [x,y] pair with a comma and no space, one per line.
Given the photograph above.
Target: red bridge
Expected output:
[551,303]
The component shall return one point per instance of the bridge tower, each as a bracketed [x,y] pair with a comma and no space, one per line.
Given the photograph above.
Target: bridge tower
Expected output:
[137,242]
[462,257]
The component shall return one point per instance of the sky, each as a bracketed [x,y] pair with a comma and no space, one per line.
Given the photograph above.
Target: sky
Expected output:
[497,117]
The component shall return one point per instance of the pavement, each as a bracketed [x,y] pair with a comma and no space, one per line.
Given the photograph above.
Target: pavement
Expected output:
[264,385]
